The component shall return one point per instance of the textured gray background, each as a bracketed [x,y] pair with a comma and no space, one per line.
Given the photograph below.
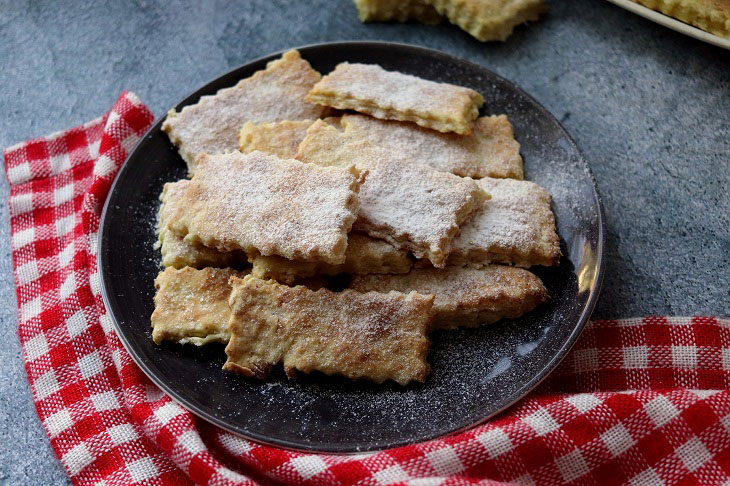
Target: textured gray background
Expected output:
[649,107]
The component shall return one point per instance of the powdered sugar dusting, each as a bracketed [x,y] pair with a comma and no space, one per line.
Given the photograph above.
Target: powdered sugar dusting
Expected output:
[490,151]
[412,206]
[274,206]
[515,226]
[369,88]
[176,252]
[466,296]
[377,336]
[275,94]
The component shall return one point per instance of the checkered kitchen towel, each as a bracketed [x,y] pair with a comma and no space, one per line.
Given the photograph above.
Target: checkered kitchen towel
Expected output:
[637,400]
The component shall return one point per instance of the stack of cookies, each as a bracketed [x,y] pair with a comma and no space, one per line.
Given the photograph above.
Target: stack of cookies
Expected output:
[331,223]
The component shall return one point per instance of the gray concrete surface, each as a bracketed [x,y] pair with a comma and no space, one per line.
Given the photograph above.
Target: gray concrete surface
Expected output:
[650,108]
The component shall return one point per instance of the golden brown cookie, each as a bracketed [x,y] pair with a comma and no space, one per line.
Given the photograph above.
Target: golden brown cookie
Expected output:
[390,95]
[398,10]
[490,151]
[372,335]
[278,138]
[277,93]
[410,205]
[191,306]
[258,202]
[178,253]
[364,255]
[466,297]
[515,226]
[489,20]
[709,15]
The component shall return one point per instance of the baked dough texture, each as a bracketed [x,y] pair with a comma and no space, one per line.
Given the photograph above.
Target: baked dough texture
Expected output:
[278,138]
[466,297]
[712,16]
[390,95]
[178,253]
[490,151]
[374,336]
[398,10]
[364,255]
[515,226]
[411,206]
[489,20]
[277,93]
[191,306]
[258,202]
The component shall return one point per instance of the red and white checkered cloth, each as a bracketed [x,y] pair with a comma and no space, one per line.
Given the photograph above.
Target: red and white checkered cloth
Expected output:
[637,400]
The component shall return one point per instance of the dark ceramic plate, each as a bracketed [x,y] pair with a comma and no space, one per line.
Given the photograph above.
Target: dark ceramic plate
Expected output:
[475,372]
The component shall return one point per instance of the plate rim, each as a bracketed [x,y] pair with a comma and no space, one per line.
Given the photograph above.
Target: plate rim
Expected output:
[522,392]
[672,23]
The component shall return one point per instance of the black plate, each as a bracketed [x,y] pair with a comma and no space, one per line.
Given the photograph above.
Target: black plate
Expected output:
[475,372]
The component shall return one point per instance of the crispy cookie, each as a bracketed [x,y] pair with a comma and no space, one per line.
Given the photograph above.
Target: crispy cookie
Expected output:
[399,10]
[709,15]
[391,95]
[466,297]
[490,151]
[373,335]
[278,138]
[258,202]
[178,253]
[410,205]
[191,306]
[364,255]
[515,226]
[274,94]
[489,20]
